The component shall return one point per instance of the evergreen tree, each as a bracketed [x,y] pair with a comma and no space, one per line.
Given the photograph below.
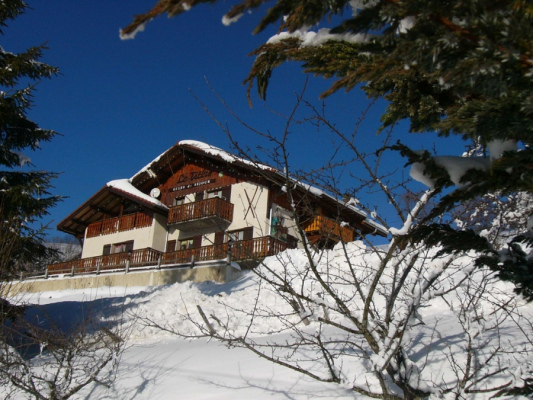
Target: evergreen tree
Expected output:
[457,67]
[24,196]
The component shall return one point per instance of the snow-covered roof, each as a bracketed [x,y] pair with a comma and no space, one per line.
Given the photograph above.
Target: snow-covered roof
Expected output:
[125,186]
[208,149]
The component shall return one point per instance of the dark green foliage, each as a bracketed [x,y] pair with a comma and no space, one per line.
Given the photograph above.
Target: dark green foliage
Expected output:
[24,196]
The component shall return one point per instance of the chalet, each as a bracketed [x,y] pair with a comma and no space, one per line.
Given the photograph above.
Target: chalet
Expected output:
[196,203]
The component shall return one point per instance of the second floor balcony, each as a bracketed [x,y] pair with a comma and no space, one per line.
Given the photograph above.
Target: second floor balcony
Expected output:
[119,224]
[208,213]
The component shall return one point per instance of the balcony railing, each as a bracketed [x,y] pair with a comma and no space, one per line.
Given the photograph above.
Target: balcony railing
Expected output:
[119,224]
[139,257]
[329,229]
[215,207]
[240,251]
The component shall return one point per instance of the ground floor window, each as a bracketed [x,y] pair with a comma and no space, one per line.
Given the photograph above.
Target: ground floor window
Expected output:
[122,247]
[184,244]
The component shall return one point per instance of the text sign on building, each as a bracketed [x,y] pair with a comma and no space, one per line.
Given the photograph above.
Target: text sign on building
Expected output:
[193,179]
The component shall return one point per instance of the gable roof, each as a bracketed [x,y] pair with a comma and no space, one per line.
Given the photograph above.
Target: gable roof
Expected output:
[108,200]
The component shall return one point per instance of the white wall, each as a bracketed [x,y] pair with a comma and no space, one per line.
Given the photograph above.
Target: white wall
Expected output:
[250,208]
[153,236]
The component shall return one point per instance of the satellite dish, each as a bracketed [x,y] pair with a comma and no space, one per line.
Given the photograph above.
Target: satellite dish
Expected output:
[155,193]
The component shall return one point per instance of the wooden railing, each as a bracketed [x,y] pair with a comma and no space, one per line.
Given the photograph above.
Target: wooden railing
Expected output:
[215,207]
[329,228]
[119,224]
[240,251]
[139,257]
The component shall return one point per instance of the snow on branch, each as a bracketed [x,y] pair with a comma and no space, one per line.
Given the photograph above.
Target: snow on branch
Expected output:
[311,38]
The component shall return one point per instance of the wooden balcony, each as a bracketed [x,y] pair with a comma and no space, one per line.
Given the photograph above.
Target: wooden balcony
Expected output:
[137,258]
[119,224]
[240,251]
[320,228]
[208,213]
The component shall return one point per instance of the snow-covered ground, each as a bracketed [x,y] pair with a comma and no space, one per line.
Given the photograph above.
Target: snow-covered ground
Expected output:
[157,364]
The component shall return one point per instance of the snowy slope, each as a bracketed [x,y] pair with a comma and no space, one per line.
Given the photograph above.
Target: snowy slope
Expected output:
[160,365]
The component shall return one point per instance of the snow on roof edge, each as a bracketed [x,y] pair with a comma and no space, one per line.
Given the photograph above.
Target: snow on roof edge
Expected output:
[228,157]
[126,186]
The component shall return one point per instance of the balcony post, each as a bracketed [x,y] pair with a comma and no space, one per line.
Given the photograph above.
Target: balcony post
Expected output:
[72,271]
[159,261]
[46,273]
[128,263]
[230,248]
[98,269]
[192,261]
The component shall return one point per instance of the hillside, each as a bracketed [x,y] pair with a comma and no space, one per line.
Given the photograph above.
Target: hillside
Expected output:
[160,362]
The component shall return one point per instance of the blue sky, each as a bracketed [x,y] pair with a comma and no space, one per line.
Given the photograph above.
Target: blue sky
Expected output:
[119,104]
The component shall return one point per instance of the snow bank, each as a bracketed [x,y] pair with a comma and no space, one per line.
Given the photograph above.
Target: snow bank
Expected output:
[433,337]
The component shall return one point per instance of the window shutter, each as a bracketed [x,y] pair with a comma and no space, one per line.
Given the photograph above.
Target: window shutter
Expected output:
[219,237]
[248,233]
[171,246]
[197,242]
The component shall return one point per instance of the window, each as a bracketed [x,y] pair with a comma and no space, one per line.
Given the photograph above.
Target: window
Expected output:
[241,234]
[122,247]
[222,193]
[215,193]
[190,243]
[186,244]
[178,201]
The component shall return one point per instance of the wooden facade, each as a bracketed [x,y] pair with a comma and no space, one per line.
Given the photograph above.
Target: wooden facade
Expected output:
[197,203]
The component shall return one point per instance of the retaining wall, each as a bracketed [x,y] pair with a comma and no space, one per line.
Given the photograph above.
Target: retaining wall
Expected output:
[150,277]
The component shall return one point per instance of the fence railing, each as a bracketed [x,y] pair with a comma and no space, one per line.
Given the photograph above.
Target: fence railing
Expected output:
[119,224]
[238,251]
[214,207]
[139,257]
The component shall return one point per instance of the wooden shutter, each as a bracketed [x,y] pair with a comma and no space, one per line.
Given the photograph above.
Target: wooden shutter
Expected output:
[248,233]
[171,246]
[219,237]
[226,193]
[197,242]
